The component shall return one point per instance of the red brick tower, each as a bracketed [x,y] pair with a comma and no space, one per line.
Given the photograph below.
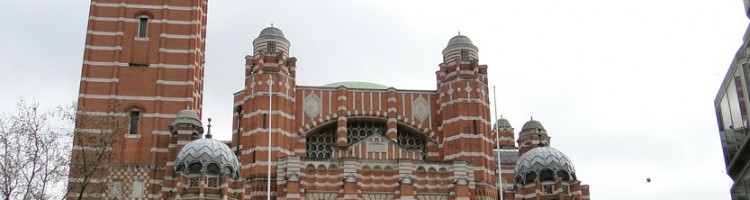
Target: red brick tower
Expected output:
[268,67]
[143,63]
[508,153]
[464,110]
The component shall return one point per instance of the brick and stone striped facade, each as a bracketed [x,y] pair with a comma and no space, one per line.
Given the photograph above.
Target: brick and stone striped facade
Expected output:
[143,66]
[143,62]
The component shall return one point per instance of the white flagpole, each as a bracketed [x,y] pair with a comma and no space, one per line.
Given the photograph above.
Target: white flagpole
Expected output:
[270,101]
[497,143]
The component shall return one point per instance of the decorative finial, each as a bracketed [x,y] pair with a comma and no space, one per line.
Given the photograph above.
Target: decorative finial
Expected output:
[208,135]
[501,116]
[532,118]
[271,24]
[459,32]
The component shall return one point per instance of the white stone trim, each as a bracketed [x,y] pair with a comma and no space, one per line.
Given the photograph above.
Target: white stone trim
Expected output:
[134,20]
[104,48]
[273,112]
[166,50]
[100,80]
[82,148]
[468,154]
[265,130]
[105,33]
[463,100]
[265,149]
[99,63]
[468,118]
[165,82]
[140,98]
[93,130]
[468,136]
[146,6]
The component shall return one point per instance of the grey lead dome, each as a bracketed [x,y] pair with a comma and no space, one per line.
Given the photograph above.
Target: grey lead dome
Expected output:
[207,151]
[271,31]
[187,117]
[540,159]
[502,122]
[532,127]
[459,39]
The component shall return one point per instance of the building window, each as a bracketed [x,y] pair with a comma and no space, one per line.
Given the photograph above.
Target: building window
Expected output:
[546,175]
[115,190]
[464,55]
[213,168]
[271,47]
[212,182]
[193,181]
[547,189]
[195,167]
[320,143]
[143,27]
[135,115]
[566,189]
[138,187]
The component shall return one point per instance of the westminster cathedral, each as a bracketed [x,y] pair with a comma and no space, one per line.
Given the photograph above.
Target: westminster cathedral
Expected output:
[343,140]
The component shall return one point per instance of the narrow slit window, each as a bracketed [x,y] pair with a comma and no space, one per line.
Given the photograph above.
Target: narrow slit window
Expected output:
[474,123]
[142,27]
[134,120]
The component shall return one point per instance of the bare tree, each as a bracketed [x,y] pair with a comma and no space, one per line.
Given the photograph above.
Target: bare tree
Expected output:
[34,153]
[95,135]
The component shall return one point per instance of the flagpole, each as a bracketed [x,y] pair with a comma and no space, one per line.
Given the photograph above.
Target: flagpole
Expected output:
[270,101]
[497,143]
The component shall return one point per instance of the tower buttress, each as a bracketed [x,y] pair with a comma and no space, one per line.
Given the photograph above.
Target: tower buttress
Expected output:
[268,68]
[464,110]
[143,63]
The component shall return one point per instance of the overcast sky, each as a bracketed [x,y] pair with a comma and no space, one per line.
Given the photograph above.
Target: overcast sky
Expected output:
[624,88]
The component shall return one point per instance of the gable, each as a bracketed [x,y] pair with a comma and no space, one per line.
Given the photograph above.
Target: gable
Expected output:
[378,147]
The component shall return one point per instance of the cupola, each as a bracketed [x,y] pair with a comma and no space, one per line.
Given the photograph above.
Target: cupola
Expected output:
[271,41]
[460,47]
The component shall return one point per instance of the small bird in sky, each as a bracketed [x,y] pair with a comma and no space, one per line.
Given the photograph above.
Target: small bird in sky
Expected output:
[648,180]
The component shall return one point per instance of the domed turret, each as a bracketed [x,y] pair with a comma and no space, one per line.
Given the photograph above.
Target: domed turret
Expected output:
[545,164]
[271,41]
[532,127]
[187,117]
[207,155]
[460,47]
[503,123]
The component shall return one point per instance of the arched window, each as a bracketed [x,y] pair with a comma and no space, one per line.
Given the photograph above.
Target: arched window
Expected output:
[135,117]
[519,179]
[195,167]
[319,144]
[546,175]
[410,140]
[143,26]
[227,170]
[359,130]
[181,168]
[213,168]
[563,175]
[530,177]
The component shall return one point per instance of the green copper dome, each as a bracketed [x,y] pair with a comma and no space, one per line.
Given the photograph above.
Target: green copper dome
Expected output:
[356,84]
